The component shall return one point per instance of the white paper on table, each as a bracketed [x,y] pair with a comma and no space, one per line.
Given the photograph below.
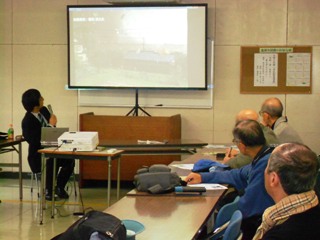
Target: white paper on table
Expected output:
[216,146]
[209,186]
[184,166]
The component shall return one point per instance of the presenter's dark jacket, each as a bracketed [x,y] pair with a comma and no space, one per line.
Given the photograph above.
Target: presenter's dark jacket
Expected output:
[31,131]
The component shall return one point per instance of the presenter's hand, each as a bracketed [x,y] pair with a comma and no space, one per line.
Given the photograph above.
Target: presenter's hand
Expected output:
[193,178]
[53,120]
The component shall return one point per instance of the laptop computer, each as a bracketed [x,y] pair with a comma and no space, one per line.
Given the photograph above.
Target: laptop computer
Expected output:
[49,136]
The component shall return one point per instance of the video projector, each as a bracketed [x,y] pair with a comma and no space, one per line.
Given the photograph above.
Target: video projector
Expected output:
[78,141]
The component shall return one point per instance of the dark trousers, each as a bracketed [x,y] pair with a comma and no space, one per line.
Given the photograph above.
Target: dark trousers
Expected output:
[64,169]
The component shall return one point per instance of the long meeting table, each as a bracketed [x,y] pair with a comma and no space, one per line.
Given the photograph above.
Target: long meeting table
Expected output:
[167,216]
[171,215]
[150,147]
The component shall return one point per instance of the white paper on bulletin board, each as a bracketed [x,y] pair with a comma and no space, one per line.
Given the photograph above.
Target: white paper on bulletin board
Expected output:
[298,69]
[154,98]
[265,70]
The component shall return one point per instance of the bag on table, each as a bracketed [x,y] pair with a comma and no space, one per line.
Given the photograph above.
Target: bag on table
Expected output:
[95,225]
[158,178]
[207,165]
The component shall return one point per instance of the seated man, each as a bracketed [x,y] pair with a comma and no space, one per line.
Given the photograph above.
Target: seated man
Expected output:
[289,179]
[249,180]
[240,160]
[271,113]
[38,116]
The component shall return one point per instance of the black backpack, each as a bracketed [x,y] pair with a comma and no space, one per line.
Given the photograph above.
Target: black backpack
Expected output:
[95,225]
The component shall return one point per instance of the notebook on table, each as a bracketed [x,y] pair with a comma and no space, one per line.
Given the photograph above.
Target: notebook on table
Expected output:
[49,136]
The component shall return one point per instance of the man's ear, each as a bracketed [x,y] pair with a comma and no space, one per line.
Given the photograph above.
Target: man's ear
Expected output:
[241,147]
[274,179]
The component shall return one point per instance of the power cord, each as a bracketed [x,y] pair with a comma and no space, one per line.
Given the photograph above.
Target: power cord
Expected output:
[82,205]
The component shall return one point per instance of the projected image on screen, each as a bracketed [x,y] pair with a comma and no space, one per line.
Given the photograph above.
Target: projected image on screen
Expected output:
[137,47]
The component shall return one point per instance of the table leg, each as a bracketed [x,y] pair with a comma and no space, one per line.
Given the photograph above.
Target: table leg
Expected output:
[53,186]
[109,180]
[20,171]
[42,188]
[118,178]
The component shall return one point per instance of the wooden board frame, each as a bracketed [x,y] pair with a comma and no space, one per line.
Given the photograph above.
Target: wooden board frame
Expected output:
[247,71]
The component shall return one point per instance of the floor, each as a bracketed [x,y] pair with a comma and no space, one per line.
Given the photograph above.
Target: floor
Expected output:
[20,219]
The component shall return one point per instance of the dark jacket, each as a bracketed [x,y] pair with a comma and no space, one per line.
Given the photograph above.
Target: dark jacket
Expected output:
[305,225]
[31,131]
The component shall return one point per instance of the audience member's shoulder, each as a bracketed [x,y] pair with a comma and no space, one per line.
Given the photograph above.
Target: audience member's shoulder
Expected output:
[270,136]
[239,161]
[285,132]
[297,227]
[289,135]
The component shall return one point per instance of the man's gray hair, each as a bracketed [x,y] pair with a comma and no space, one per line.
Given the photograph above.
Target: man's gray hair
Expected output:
[296,165]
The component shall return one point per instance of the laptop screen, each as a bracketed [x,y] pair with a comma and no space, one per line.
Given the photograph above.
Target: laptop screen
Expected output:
[49,136]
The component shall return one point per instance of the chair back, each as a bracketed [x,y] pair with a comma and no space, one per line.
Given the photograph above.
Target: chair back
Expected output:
[224,215]
[233,230]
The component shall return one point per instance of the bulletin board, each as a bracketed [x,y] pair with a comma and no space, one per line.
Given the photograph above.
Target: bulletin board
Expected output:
[276,69]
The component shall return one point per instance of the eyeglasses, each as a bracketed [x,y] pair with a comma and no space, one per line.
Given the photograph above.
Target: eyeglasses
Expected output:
[262,112]
[236,141]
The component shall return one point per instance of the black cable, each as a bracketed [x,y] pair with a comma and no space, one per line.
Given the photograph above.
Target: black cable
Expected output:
[63,142]
[82,205]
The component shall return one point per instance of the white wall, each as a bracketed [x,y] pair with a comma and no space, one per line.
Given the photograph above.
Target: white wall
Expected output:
[33,54]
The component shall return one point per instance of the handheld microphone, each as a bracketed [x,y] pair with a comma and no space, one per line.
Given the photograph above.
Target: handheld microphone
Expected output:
[50,109]
[190,189]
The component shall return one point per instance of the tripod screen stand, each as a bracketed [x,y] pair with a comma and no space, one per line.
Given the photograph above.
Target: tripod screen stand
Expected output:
[136,108]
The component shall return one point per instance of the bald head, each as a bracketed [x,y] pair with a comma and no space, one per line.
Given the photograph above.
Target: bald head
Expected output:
[247,114]
[273,107]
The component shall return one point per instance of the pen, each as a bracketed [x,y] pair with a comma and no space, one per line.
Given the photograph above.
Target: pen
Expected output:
[229,155]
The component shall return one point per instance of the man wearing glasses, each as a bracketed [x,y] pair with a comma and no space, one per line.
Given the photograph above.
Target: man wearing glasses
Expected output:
[271,113]
[233,158]
[249,180]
